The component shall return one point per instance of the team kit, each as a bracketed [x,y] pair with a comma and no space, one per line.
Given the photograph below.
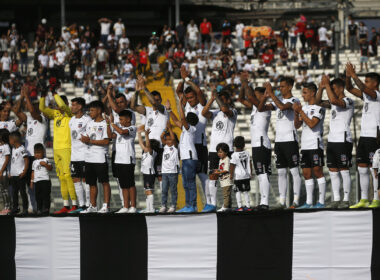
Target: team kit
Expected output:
[83,133]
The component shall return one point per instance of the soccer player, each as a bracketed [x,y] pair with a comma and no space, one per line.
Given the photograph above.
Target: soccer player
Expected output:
[96,167]
[61,146]
[5,153]
[261,146]
[339,145]
[78,125]
[369,92]
[223,173]
[286,143]
[223,125]
[311,117]
[5,122]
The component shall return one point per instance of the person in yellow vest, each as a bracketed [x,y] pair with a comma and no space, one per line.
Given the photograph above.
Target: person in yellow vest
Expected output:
[61,147]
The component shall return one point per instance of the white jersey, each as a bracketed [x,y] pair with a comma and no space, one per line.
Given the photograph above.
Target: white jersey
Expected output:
[222,129]
[376,160]
[10,125]
[170,160]
[125,146]
[340,121]
[200,134]
[147,163]
[4,151]
[311,138]
[259,128]
[96,131]
[370,116]
[241,160]
[17,161]
[156,122]
[285,130]
[116,120]
[78,128]
[186,143]
[35,133]
[40,172]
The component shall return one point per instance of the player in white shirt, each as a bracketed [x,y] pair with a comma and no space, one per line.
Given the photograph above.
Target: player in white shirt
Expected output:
[223,125]
[40,180]
[370,125]
[241,173]
[5,153]
[18,170]
[261,146]
[5,122]
[286,144]
[311,116]
[376,161]
[78,125]
[96,167]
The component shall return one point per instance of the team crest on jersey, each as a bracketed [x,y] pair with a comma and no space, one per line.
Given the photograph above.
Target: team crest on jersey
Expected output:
[30,131]
[343,158]
[315,157]
[280,114]
[333,114]
[150,122]
[366,107]
[259,165]
[219,125]
[35,122]
[312,112]
[79,125]
[5,125]
[100,129]
[58,123]
[74,134]
[38,167]
[166,156]
[93,136]
[295,158]
[119,139]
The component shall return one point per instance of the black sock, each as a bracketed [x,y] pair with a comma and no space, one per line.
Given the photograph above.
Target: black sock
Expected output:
[67,207]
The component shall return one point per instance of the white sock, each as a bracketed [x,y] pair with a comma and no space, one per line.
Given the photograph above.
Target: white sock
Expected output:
[322,189]
[204,181]
[79,191]
[247,199]
[335,184]
[238,199]
[282,184]
[309,184]
[65,203]
[346,178]
[264,188]
[364,181]
[149,202]
[212,189]
[375,185]
[87,191]
[120,193]
[296,183]
[74,202]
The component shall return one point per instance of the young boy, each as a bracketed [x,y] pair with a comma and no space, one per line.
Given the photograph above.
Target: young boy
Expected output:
[96,167]
[224,175]
[41,180]
[125,158]
[19,167]
[147,166]
[5,152]
[170,169]
[240,172]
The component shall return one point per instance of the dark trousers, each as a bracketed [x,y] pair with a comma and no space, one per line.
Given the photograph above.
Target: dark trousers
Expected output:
[43,190]
[19,185]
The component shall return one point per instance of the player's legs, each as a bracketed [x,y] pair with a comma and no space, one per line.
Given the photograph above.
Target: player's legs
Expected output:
[77,174]
[261,158]
[282,171]
[292,155]
[66,159]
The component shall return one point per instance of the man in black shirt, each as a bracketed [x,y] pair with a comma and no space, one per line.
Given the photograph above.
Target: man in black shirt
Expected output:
[352,34]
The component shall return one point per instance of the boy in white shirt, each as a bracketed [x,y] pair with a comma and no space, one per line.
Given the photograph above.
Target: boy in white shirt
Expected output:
[19,168]
[240,172]
[41,180]
[5,152]
[96,167]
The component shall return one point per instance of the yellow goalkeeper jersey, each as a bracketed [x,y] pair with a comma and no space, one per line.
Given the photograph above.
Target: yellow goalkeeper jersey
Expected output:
[62,134]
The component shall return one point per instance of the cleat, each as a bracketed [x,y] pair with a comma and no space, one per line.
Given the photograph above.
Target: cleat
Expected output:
[104,209]
[210,208]
[74,208]
[363,203]
[334,204]
[15,211]
[76,211]
[133,210]
[162,209]
[262,207]
[241,209]
[190,209]
[375,204]
[64,210]
[344,205]
[280,206]
[305,206]
[248,209]
[122,211]
[171,209]
[318,206]
[90,209]
[205,209]
[223,209]
[183,210]
[294,206]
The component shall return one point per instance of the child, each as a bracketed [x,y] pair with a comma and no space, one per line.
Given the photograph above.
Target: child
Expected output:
[41,180]
[224,175]
[96,167]
[125,159]
[19,167]
[240,172]
[170,169]
[5,152]
[147,166]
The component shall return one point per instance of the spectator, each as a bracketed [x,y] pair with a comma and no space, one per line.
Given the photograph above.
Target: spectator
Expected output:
[24,57]
[314,61]
[293,37]
[326,57]
[78,77]
[322,32]
[309,35]
[5,66]
[206,30]
[119,28]
[374,41]
[352,34]
[101,58]
[239,34]
[226,30]
[364,53]
[284,55]
[362,31]
[303,62]
[285,34]
[105,25]
[180,33]
[192,33]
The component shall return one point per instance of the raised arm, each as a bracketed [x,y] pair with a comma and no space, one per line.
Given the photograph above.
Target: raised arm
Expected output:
[318,97]
[35,115]
[331,94]
[48,112]
[370,92]
[206,109]
[194,87]
[176,121]
[349,87]
[278,102]
[182,115]
[17,110]
[61,104]
[159,106]
[262,106]
[134,102]
[242,93]
[303,117]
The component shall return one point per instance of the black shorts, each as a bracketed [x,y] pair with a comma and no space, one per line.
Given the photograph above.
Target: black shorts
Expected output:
[366,149]
[242,185]
[205,38]
[262,160]
[158,162]
[202,154]
[77,169]
[312,158]
[113,164]
[213,161]
[339,155]
[126,175]
[95,172]
[287,154]
[149,181]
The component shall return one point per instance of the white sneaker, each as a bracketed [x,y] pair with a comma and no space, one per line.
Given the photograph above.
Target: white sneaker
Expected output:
[104,209]
[171,209]
[122,211]
[223,209]
[90,209]
[132,210]
[163,209]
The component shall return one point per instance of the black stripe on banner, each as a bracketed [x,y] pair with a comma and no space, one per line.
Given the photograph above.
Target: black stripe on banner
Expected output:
[7,248]
[113,247]
[257,245]
[375,265]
